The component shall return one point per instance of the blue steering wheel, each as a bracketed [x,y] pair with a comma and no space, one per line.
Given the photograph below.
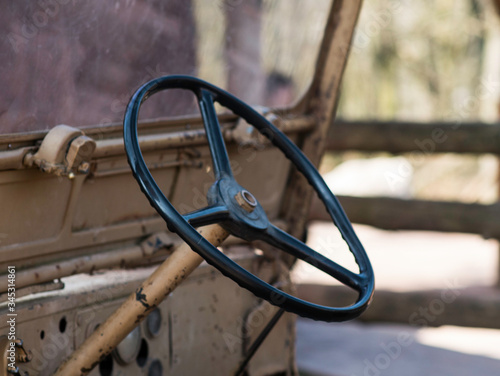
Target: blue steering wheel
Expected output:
[237,210]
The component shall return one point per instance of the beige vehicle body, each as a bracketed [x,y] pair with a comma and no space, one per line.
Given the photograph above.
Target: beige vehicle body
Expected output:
[78,236]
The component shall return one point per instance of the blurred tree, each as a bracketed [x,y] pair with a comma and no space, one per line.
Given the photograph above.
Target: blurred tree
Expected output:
[418,60]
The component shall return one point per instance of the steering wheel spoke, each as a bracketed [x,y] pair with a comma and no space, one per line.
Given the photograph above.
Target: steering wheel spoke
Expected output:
[207,216]
[286,242]
[220,158]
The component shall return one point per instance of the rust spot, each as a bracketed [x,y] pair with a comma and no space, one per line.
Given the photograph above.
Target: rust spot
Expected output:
[139,319]
[85,371]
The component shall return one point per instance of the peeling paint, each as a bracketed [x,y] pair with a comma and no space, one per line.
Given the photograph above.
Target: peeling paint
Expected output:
[141,298]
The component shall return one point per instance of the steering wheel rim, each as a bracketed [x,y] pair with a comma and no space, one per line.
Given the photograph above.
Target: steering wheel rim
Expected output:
[255,225]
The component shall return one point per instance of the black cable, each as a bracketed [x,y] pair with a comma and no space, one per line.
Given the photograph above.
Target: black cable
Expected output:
[262,336]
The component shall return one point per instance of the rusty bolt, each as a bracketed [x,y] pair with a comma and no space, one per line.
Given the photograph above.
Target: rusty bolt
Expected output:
[246,200]
[84,168]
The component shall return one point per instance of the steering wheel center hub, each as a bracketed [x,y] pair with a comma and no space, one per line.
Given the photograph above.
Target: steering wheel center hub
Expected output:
[245,211]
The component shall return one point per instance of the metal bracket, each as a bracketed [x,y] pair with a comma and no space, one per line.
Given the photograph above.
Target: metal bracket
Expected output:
[157,242]
[245,134]
[65,151]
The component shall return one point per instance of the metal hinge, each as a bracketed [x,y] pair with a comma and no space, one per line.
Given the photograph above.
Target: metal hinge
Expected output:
[65,151]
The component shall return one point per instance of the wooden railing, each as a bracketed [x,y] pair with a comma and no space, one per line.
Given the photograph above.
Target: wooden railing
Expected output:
[400,214]
[480,308]
[418,139]
[411,137]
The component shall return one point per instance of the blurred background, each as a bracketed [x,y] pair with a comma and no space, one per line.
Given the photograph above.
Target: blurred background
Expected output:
[434,65]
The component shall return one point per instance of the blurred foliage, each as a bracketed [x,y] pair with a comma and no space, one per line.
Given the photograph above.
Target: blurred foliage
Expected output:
[427,61]
[423,60]
[417,60]
[291,31]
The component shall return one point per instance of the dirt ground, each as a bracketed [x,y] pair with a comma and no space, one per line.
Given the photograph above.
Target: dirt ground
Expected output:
[403,261]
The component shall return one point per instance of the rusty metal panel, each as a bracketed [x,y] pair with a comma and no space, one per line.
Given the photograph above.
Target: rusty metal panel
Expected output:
[211,325]
[110,195]
[33,207]
[100,211]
